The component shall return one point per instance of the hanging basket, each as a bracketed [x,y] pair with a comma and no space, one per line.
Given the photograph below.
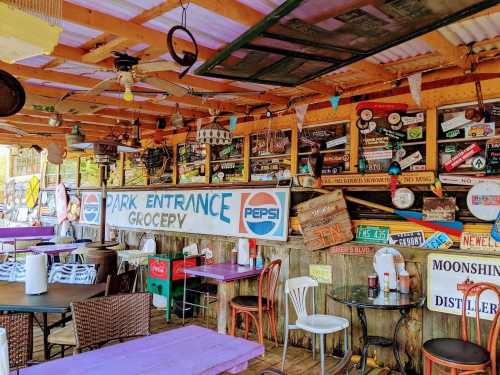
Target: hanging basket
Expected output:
[214,134]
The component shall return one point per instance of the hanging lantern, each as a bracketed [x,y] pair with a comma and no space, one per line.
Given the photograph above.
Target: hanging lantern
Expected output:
[213,134]
[394,171]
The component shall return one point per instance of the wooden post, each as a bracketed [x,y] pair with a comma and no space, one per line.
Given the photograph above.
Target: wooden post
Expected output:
[208,157]
[174,164]
[78,174]
[431,147]
[246,158]
[294,162]
[58,174]
[225,292]
[122,170]
[353,141]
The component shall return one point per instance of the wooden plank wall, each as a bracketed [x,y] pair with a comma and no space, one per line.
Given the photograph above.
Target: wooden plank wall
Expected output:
[347,270]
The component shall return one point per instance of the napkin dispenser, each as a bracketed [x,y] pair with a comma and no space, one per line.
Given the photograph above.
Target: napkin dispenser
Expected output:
[36,274]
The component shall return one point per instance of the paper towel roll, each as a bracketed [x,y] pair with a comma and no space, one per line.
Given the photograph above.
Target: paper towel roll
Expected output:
[243,252]
[4,352]
[36,274]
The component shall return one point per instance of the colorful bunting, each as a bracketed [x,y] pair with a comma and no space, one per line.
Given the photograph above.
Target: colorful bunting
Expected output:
[415,82]
[233,120]
[334,101]
[300,113]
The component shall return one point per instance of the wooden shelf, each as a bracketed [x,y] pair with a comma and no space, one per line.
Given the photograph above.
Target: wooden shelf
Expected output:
[324,151]
[453,140]
[227,160]
[279,156]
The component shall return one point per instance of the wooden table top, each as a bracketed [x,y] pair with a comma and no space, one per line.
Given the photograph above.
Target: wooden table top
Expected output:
[223,271]
[56,300]
[190,350]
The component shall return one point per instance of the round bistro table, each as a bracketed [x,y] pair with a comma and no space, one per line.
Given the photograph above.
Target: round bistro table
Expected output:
[357,296]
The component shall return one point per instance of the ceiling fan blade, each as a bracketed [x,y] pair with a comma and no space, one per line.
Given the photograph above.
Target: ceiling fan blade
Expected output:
[170,87]
[101,87]
[155,66]
[13,129]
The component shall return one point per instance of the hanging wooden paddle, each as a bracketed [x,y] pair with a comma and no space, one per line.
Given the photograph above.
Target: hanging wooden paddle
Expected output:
[454,228]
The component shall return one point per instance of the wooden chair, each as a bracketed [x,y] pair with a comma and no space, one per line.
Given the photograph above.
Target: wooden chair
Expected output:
[254,307]
[115,284]
[340,368]
[462,355]
[19,338]
[100,320]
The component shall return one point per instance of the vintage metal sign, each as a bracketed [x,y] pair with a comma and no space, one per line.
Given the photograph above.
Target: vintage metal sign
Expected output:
[410,160]
[455,122]
[449,275]
[479,129]
[436,209]
[325,221]
[372,234]
[378,155]
[410,178]
[478,241]
[408,239]
[415,133]
[322,273]
[352,250]
[408,120]
[336,142]
[438,240]
[465,180]
[252,213]
[462,156]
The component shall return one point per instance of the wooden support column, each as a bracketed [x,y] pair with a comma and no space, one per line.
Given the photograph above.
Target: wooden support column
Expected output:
[353,141]
[121,172]
[294,151]
[226,291]
[174,164]
[431,148]
[246,158]
[208,157]
[78,174]
[59,174]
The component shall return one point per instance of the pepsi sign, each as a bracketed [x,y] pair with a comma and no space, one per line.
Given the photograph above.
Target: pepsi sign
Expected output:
[263,214]
[90,208]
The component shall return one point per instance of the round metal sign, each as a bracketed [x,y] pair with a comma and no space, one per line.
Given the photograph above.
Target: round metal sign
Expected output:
[483,200]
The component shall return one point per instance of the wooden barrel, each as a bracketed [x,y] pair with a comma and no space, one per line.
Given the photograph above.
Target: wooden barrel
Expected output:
[105,260]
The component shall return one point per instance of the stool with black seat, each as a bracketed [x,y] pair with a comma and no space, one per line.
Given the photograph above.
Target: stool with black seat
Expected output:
[462,355]
[254,307]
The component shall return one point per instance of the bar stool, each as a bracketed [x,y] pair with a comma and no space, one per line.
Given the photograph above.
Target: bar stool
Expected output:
[254,307]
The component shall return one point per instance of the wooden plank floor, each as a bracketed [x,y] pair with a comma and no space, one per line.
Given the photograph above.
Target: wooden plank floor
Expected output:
[299,360]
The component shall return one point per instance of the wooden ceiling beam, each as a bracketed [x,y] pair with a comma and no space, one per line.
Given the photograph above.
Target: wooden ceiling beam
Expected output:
[373,71]
[233,10]
[119,27]
[88,119]
[451,54]
[120,43]
[53,92]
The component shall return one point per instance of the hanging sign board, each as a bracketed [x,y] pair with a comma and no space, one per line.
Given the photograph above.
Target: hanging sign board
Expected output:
[90,207]
[372,234]
[448,275]
[479,241]
[408,239]
[322,273]
[252,213]
[325,221]
[411,178]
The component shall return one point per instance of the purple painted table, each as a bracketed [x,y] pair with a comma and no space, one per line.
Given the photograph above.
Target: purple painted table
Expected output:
[224,273]
[10,235]
[188,350]
[54,249]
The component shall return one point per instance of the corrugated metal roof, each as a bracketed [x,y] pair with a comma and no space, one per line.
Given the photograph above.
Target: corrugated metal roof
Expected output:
[37,61]
[125,9]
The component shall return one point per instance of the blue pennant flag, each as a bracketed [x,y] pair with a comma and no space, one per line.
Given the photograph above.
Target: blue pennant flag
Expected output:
[334,100]
[232,123]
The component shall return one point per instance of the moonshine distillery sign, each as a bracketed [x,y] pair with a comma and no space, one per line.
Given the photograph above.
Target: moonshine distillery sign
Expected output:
[254,213]
[448,277]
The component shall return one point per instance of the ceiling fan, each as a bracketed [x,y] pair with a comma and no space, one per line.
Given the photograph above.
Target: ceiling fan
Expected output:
[130,71]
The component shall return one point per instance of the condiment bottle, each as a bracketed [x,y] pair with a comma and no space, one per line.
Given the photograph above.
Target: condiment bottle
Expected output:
[404,282]
[234,256]
[386,282]
[260,260]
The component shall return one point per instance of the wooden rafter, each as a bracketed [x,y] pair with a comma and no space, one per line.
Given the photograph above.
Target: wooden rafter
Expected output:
[102,52]
[451,54]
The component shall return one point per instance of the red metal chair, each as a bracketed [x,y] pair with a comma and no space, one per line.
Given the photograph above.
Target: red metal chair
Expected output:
[462,355]
[254,307]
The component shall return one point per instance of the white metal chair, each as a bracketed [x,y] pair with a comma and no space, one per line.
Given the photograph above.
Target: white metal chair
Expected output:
[72,273]
[296,289]
[12,271]
[137,258]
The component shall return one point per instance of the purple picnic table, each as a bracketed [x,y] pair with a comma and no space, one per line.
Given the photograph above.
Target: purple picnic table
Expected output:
[11,234]
[224,273]
[190,350]
[54,249]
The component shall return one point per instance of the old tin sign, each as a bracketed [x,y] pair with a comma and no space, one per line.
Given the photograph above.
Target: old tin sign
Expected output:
[439,209]
[449,275]
[438,240]
[478,241]
[409,239]
[372,234]
[352,250]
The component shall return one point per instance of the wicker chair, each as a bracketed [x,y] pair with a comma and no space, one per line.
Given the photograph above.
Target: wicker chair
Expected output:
[19,338]
[100,320]
[340,368]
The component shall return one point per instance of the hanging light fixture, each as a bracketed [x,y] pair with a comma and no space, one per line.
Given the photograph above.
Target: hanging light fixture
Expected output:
[213,134]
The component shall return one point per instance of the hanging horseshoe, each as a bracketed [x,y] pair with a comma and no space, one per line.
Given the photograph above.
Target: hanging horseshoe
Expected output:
[189,58]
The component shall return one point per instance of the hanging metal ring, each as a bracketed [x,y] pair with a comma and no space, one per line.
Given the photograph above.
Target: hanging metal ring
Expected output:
[189,58]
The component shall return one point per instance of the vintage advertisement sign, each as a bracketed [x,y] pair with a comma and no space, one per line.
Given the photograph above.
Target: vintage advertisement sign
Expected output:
[438,240]
[408,239]
[325,221]
[439,209]
[352,250]
[378,155]
[410,160]
[410,178]
[479,129]
[252,213]
[465,180]
[336,142]
[447,277]
[461,157]
[478,241]
[414,133]
[372,234]
[455,122]
[90,207]
[322,273]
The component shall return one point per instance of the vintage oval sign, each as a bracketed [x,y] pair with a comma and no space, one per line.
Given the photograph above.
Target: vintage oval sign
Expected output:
[483,200]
